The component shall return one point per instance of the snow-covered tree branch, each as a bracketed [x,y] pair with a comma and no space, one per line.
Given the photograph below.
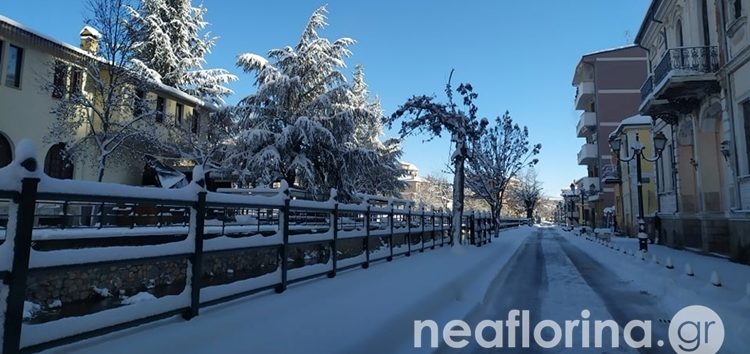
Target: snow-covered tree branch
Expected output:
[171,43]
[423,115]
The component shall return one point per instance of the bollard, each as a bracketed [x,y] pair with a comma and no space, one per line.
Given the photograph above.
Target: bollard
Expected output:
[654,259]
[715,279]
[689,270]
[669,264]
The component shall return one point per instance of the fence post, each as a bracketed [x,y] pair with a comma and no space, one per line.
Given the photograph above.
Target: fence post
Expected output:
[334,243]
[421,222]
[488,225]
[20,270]
[283,250]
[390,238]
[442,228]
[196,261]
[408,233]
[433,229]
[367,239]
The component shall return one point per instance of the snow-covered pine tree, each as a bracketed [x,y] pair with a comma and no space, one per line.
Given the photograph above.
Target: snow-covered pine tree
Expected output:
[172,42]
[306,125]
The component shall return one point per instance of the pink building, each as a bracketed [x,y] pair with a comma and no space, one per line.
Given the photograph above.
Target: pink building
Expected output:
[608,86]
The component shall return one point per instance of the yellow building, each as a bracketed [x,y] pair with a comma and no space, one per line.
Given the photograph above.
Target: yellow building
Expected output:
[29,61]
[635,134]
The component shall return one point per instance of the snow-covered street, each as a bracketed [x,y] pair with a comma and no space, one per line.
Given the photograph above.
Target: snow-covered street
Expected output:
[552,274]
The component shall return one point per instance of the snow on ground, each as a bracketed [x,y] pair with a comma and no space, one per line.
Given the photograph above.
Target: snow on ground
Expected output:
[358,311]
[673,289]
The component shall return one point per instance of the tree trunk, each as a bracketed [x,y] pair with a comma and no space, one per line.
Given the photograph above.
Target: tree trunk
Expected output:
[458,200]
[102,165]
[495,219]
[529,213]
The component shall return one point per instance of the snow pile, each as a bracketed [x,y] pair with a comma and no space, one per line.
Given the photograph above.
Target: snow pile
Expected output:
[30,310]
[140,297]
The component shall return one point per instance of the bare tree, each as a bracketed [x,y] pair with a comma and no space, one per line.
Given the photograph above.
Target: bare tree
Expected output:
[496,157]
[100,95]
[425,115]
[205,141]
[435,192]
[529,192]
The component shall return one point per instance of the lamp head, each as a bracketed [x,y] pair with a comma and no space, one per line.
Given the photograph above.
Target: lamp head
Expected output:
[660,142]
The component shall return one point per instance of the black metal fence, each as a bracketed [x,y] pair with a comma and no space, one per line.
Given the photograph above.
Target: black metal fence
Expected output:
[53,225]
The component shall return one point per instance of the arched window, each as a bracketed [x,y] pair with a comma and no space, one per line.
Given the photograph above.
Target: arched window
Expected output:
[6,152]
[680,35]
[57,164]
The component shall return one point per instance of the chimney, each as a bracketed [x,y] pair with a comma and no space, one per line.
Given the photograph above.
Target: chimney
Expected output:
[90,39]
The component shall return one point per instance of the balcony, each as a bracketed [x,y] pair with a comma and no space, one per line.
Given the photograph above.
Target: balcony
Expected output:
[584,95]
[586,123]
[610,175]
[586,183]
[588,155]
[683,74]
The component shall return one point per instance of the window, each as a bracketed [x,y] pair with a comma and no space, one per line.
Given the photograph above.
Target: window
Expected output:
[1,58]
[13,75]
[76,81]
[737,9]
[57,164]
[194,124]
[6,155]
[160,109]
[180,114]
[746,115]
[59,79]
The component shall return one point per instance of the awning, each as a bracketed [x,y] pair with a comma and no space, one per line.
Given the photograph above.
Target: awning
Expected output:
[167,176]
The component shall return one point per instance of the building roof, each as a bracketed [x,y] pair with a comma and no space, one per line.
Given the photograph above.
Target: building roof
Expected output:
[591,57]
[647,20]
[634,121]
[12,25]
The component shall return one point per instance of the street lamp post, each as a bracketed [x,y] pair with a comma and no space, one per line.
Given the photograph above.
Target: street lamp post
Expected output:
[584,194]
[660,141]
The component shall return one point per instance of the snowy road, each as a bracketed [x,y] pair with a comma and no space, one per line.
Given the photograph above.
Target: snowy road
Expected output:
[555,280]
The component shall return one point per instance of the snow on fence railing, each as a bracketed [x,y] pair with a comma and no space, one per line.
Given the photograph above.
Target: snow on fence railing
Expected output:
[65,225]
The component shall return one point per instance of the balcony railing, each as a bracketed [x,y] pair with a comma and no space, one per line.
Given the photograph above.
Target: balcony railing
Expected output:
[691,60]
[610,174]
[647,88]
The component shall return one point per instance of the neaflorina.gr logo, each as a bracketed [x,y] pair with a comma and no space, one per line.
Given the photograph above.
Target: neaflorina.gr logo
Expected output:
[693,330]
[696,330]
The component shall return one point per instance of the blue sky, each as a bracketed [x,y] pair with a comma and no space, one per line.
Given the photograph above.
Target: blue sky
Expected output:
[518,55]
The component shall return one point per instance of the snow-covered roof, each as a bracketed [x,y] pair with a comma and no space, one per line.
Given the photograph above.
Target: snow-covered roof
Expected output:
[637,120]
[91,32]
[408,165]
[602,51]
[75,50]
[175,93]
[412,179]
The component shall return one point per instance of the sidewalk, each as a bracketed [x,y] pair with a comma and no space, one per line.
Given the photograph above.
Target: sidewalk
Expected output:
[673,288]
[363,311]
